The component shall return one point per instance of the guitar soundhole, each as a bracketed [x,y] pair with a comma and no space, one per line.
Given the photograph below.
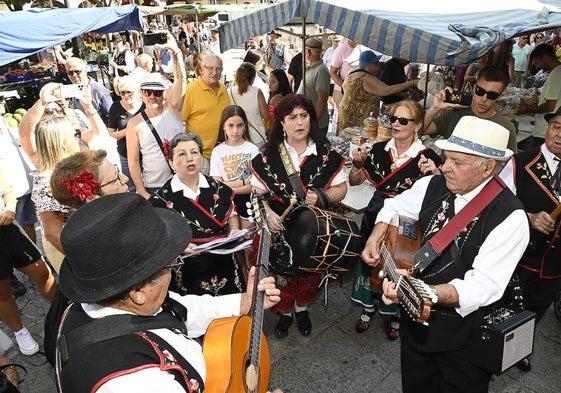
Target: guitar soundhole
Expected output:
[410,230]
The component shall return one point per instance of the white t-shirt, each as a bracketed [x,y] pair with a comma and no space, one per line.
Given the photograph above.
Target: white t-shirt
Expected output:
[232,162]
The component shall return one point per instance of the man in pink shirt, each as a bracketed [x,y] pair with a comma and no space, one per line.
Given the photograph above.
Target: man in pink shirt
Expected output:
[340,68]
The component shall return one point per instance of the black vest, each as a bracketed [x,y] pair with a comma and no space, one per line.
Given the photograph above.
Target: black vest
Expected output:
[316,171]
[122,355]
[447,330]
[532,176]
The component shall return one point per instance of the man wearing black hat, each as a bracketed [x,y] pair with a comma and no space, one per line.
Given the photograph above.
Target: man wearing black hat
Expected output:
[535,176]
[119,255]
[122,62]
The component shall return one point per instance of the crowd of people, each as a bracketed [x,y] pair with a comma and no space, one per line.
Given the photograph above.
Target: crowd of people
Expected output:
[126,189]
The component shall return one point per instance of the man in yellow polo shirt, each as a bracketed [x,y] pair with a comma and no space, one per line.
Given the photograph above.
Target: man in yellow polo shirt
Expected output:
[205,99]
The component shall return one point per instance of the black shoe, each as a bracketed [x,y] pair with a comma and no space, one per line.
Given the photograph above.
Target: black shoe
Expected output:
[18,289]
[524,365]
[281,330]
[304,323]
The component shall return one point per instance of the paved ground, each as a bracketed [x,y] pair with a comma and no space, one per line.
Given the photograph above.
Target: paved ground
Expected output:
[334,358]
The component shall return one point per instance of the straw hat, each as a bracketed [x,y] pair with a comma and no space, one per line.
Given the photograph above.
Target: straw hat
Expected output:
[479,137]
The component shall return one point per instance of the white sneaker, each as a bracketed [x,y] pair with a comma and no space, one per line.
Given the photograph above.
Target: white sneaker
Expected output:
[27,345]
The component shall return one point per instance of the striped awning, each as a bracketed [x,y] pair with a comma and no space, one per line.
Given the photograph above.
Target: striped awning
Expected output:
[420,31]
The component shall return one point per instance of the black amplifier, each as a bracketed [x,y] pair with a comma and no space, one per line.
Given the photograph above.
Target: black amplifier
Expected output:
[504,338]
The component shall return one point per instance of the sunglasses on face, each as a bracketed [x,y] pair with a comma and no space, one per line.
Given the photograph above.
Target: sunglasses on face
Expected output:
[155,93]
[74,71]
[492,95]
[539,37]
[402,120]
[52,111]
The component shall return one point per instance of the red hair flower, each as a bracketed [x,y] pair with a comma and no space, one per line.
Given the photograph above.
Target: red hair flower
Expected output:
[82,186]
[272,113]
[165,148]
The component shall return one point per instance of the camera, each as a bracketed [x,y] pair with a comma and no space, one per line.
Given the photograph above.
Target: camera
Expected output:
[458,97]
[154,38]
[73,90]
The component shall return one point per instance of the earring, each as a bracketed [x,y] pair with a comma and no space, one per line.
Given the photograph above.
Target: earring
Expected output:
[283,133]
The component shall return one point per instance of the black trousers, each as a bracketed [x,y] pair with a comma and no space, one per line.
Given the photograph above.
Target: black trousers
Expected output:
[440,372]
[538,292]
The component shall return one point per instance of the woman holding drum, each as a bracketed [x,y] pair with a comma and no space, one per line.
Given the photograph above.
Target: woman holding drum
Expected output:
[296,147]
[392,167]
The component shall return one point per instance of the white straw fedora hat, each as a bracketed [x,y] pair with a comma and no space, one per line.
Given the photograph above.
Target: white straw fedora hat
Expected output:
[479,137]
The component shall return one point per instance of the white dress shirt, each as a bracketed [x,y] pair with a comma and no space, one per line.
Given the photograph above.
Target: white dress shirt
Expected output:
[497,258]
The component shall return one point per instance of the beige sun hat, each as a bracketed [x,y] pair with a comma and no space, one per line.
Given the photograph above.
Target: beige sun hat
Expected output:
[479,137]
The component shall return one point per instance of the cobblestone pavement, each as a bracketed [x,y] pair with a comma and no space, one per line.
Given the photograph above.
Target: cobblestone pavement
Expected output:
[333,359]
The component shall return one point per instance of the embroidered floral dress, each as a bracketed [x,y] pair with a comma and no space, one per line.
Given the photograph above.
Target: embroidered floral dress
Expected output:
[208,215]
[391,176]
[316,171]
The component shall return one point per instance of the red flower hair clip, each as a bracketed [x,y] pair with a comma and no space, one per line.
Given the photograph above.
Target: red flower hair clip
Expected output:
[82,186]
[272,113]
[165,148]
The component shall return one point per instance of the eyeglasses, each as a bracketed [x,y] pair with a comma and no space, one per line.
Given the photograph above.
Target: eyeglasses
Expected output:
[155,93]
[213,69]
[74,71]
[176,267]
[52,111]
[117,178]
[492,95]
[402,120]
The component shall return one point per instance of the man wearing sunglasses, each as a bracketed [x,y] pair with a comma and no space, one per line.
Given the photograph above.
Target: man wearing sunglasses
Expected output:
[442,117]
[148,131]
[543,57]
[101,98]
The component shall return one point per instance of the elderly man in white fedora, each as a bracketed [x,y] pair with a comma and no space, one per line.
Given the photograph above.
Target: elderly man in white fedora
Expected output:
[472,271]
[125,332]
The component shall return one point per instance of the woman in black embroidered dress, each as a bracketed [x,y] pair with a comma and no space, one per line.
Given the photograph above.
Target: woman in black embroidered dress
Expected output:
[321,182]
[392,167]
[207,205]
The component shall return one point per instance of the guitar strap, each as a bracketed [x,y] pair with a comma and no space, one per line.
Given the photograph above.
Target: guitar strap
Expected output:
[156,137]
[293,176]
[436,245]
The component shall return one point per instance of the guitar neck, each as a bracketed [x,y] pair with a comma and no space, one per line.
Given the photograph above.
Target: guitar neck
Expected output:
[259,298]
[413,294]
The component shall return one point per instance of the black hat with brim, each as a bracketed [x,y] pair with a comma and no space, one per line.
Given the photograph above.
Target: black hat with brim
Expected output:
[115,242]
[549,116]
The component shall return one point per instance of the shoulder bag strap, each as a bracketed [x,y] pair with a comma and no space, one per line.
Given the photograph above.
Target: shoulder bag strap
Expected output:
[434,247]
[248,122]
[156,136]
[293,176]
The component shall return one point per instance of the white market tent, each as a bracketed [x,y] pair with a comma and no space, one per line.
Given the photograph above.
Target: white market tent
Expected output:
[432,32]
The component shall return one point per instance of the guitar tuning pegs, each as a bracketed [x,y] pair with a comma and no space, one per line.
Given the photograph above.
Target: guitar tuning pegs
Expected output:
[248,205]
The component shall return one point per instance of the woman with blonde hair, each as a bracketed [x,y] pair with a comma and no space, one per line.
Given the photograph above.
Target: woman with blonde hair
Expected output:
[54,140]
[252,100]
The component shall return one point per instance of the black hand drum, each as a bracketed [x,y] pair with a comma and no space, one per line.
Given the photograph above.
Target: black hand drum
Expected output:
[322,240]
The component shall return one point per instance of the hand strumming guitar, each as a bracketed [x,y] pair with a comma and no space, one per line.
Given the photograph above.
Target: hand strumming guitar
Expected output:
[371,253]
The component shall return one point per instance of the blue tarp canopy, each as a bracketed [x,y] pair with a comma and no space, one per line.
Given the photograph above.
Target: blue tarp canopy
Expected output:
[431,31]
[23,33]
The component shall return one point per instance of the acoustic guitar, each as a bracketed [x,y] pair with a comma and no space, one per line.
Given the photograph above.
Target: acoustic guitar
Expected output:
[235,349]
[397,250]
